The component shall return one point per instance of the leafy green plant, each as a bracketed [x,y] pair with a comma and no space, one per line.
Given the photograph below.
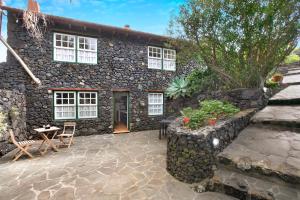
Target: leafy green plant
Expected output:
[272,84]
[292,59]
[209,109]
[202,79]
[178,88]
[241,41]
[3,124]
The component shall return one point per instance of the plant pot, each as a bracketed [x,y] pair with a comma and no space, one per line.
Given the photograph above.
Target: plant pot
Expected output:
[277,78]
[212,121]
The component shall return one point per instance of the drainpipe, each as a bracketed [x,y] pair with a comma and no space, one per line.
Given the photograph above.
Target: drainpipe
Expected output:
[36,80]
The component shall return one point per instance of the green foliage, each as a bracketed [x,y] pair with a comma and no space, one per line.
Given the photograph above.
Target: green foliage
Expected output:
[202,79]
[178,88]
[272,84]
[208,109]
[241,41]
[3,124]
[291,59]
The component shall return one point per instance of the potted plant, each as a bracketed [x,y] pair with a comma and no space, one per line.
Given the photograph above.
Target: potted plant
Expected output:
[277,77]
[186,120]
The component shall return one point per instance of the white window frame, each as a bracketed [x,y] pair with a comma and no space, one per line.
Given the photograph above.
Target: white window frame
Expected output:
[61,105]
[79,104]
[169,60]
[64,48]
[150,58]
[161,103]
[87,50]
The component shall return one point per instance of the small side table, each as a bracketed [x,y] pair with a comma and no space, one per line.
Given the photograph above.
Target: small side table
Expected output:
[45,133]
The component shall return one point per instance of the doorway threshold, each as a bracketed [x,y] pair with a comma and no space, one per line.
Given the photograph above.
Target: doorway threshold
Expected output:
[121,128]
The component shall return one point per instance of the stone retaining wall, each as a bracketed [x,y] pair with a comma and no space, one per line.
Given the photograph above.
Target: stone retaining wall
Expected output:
[243,98]
[13,115]
[191,156]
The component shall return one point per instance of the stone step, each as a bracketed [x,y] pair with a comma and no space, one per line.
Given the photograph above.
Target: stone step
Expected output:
[288,96]
[288,116]
[291,79]
[214,196]
[246,187]
[265,150]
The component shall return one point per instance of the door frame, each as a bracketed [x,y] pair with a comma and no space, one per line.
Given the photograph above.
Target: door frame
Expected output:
[114,107]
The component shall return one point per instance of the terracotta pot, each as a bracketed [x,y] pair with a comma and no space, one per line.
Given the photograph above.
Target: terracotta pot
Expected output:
[277,78]
[212,121]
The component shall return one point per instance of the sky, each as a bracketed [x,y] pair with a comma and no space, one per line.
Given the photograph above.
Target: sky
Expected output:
[143,15]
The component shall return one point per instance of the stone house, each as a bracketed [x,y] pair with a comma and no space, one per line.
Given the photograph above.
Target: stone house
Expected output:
[107,79]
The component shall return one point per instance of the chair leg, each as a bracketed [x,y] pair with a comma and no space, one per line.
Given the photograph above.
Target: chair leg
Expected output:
[18,155]
[26,152]
[70,142]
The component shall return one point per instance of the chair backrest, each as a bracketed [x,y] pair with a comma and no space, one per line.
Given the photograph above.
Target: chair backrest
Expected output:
[12,137]
[71,125]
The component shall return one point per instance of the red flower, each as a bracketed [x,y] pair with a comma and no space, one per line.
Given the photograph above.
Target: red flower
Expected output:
[186,120]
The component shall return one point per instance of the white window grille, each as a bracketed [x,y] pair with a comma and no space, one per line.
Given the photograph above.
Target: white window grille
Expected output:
[169,62]
[87,50]
[154,57]
[64,105]
[87,104]
[64,47]
[155,103]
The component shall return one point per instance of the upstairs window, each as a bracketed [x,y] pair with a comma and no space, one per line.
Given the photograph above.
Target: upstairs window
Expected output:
[154,58]
[87,50]
[155,103]
[64,47]
[169,59]
[71,48]
[160,58]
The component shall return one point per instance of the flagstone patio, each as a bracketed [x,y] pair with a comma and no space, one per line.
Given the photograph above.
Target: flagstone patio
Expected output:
[127,166]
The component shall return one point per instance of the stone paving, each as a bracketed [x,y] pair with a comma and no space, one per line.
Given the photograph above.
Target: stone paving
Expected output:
[127,166]
[273,150]
[291,79]
[278,115]
[290,93]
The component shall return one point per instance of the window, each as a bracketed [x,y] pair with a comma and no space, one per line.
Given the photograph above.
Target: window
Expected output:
[159,58]
[154,58]
[73,105]
[87,104]
[169,59]
[64,105]
[64,47]
[155,103]
[87,50]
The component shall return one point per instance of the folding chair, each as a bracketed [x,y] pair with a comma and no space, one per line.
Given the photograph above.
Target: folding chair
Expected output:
[22,146]
[66,137]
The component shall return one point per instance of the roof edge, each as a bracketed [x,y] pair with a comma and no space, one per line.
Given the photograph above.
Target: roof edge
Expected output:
[94,25]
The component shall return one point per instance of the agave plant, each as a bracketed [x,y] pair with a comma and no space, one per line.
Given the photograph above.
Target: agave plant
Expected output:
[178,88]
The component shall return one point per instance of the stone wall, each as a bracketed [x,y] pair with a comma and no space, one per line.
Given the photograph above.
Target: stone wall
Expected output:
[13,111]
[122,64]
[191,155]
[243,98]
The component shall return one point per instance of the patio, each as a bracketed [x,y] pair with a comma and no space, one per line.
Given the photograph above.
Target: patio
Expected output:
[126,166]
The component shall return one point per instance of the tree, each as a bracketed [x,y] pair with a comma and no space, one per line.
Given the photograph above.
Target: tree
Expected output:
[241,41]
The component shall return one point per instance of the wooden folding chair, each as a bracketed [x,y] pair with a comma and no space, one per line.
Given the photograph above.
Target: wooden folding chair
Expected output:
[23,146]
[66,137]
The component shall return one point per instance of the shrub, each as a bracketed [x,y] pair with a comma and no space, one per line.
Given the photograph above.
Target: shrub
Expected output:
[209,109]
[202,79]
[178,88]
[291,59]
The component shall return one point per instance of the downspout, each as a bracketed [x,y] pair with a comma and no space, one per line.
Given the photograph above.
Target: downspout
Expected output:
[36,80]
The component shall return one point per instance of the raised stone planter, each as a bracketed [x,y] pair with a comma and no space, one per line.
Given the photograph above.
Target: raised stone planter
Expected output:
[191,155]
